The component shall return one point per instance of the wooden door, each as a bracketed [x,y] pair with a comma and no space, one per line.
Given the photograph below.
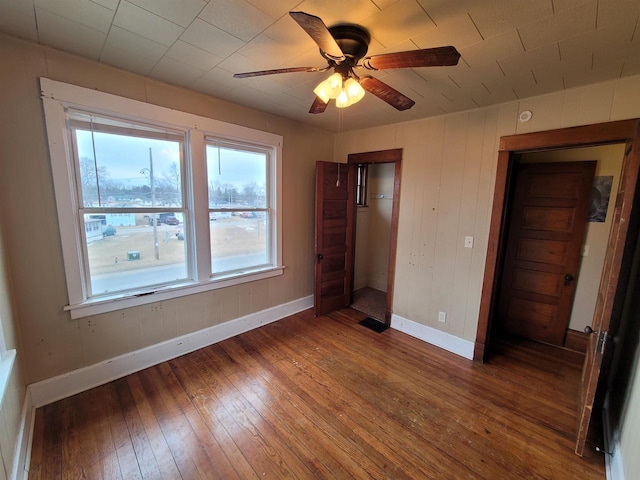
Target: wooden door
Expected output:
[333,237]
[545,237]
[613,274]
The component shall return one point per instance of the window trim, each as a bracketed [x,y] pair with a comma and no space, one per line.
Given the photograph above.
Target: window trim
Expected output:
[56,96]
[222,143]
[362,180]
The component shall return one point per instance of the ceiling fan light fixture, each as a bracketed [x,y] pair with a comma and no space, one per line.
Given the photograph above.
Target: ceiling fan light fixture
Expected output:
[329,88]
[343,100]
[344,47]
[352,92]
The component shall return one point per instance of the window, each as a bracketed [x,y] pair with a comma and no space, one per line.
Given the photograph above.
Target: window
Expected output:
[155,203]
[361,185]
[128,172]
[238,206]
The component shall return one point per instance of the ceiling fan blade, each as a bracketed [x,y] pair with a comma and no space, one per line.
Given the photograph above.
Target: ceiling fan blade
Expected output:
[428,57]
[320,34]
[318,106]
[386,93]
[279,70]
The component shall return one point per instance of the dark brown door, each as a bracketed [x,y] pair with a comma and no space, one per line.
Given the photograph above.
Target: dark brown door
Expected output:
[612,276]
[546,231]
[333,237]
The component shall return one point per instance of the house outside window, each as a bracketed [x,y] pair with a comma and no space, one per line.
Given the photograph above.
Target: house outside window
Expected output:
[154,203]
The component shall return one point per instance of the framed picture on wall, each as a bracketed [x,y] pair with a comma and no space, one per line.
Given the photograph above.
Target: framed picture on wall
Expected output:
[600,193]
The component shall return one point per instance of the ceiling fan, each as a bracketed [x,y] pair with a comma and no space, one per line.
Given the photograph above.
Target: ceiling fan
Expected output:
[344,47]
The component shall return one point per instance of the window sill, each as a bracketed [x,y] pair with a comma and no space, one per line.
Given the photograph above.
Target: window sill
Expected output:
[119,302]
[6,366]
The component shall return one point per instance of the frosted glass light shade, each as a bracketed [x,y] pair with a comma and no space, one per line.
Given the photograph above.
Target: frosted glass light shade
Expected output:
[329,88]
[352,92]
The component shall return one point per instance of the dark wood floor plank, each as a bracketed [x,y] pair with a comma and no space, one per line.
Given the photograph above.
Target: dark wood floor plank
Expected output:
[217,463]
[214,393]
[324,397]
[162,453]
[347,417]
[208,407]
[450,402]
[468,387]
[397,416]
[187,450]
[88,449]
[525,403]
[249,424]
[125,453]
[306,418]
[264,393]
[147,462]
[46,451]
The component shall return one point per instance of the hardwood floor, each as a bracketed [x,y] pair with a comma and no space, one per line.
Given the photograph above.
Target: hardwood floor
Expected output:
[322,397]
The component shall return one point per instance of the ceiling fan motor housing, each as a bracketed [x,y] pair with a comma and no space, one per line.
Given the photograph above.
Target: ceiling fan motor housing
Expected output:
[353,40]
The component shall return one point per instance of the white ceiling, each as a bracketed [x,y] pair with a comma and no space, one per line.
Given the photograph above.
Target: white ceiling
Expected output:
[510,48]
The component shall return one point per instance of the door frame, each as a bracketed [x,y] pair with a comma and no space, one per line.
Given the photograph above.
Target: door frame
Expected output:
[623,131]
[381,156]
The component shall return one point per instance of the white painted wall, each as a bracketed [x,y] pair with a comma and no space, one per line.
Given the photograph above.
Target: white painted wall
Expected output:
[447,191]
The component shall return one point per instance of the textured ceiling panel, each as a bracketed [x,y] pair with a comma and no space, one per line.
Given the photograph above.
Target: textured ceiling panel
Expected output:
[181,13]
[65,34]
[237,17]
[85,13]
[146,24]
[510,48]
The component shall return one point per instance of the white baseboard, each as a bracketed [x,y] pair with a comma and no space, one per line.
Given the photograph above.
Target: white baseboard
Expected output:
[62,386]
[436,337]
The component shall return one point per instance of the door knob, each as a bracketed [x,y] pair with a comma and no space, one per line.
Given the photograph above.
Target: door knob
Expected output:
[567,279]
[319,257]
[588,330]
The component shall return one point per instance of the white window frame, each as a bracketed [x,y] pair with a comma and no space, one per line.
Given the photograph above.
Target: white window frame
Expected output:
[7,360]
[223,143]
[56,97]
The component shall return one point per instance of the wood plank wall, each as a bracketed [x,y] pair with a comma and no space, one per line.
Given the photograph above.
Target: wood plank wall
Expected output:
[447,188]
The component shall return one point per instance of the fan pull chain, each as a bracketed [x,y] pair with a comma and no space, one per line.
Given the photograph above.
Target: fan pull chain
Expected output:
[338,180]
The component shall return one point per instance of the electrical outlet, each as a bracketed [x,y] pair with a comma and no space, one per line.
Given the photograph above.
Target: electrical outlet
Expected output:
[468,242]
[442,317]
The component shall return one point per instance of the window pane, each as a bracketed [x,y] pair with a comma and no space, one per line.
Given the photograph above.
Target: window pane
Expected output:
[126,252]
[239,240]
[128,171]
[237,178]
